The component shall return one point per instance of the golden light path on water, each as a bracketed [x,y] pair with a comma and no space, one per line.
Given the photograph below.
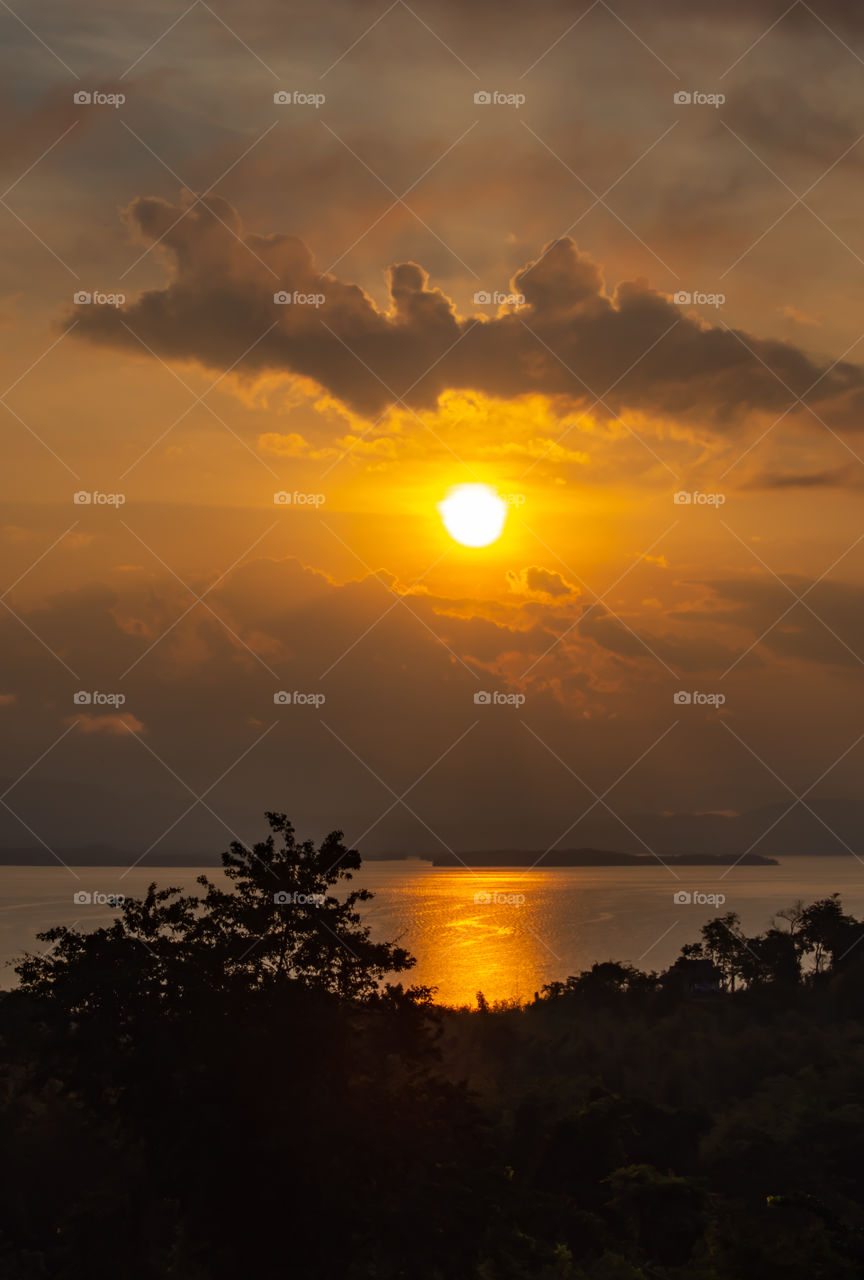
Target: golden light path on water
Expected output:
[505,931]
[475,933]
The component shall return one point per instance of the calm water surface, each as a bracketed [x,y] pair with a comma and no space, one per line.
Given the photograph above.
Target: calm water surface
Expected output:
[504,932]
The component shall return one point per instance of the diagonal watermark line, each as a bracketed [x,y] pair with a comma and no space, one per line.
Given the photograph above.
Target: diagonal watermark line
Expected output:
[759,39]
[354,45]
[36,636]
[798,600]
[796,200]
[797,400]
[38,360]
[797,799]
[46,152]
[598,600]
[199,599]
[158,39]
[39,440]
[199,399]
[645,46]
[657,941]
[400,599]
[401,198]
[831,31]
[443,43]
[199,199]
[36,836]
[346,453]
[36,236]
[399,799]
[398,200]
[36,36]
[238,38]
[39,759]
[601,799]
[601,399]
[199,800]
[601,199]
[387,611]
[167,767]
[38,559]
[399,400]
[558,39]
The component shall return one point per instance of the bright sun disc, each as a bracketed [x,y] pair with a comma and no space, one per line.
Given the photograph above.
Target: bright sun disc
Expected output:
[473,514]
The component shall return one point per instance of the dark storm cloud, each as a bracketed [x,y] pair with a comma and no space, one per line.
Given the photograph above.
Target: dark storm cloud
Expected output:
[571,340]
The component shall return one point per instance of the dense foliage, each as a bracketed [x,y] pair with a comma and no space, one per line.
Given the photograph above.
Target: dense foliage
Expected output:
[228,1085]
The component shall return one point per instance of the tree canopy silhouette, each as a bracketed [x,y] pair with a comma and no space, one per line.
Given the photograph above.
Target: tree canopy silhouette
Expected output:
[278,921]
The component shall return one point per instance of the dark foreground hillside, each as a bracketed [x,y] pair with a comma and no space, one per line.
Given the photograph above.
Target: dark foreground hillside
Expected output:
[226,1086]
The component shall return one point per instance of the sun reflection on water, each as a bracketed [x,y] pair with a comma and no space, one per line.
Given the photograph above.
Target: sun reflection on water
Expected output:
[473,930]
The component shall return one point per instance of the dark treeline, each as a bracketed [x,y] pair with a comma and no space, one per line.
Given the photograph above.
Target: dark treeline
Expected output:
[227,1084]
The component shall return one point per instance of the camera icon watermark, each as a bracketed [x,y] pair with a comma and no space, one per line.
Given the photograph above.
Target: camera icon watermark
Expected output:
[296,698]
[295,97]
[84,298]
[683,898]
[495,98]
[686,498]
[684,98]
[93,698]
[688,698]
[96,498]
[485,699]
[283,298]
[496,899]
[96,98]
[285,499]
[698,298]
[483,298]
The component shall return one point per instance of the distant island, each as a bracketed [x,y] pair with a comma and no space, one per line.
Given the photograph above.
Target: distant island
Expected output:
[595,858]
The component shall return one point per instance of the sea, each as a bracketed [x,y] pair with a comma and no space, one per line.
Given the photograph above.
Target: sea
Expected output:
[504,932]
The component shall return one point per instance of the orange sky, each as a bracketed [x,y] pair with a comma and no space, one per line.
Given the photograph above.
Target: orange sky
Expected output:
[589,401]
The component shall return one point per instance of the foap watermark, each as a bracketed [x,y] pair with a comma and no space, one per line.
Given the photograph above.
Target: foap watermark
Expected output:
[693,698]
[497,899]
[297,698]
[96,98]
[698,299]
[483,298]
[513,499]
[695,498]
[285,499]
[496,98]
[686,898]
[83,898]
[96,498]
[696,98]
[296,899]
[93,698]
[283,298]
[498,699]
[96,298]
[297,98]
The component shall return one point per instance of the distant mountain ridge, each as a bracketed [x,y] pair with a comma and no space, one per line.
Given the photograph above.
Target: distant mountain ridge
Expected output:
[594,858]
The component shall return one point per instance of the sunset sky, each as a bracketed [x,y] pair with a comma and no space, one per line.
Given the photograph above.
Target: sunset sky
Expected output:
[676,310]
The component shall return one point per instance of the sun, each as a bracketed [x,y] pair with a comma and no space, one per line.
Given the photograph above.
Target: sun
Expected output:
[473,514]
